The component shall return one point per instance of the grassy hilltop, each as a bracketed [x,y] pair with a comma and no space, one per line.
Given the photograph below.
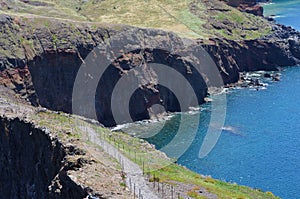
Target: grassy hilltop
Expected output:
[188,18]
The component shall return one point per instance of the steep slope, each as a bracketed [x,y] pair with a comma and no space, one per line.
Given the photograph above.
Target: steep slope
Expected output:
[40,58]
[30,161]
[39,160]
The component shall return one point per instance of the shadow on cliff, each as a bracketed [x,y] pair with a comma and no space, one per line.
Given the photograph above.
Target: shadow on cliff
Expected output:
[53,77]
[31,164]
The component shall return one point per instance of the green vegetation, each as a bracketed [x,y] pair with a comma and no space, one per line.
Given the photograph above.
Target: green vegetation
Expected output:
[240,25]
[11,45]
[222,189]
[43,8]
[54,40]
[123,184]
[193,193]
[153,162]
[188,18]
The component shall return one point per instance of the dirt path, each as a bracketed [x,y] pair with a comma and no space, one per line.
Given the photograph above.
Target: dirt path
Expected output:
[134,175]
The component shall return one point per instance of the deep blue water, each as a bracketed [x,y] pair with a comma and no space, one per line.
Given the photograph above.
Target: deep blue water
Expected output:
[266,152]
[262,147]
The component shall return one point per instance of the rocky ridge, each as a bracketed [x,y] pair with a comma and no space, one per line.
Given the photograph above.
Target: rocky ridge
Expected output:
[32,52]
[38,162]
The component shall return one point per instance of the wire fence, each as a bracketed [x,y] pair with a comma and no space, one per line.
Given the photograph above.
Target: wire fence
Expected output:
[122,152]
[162,190]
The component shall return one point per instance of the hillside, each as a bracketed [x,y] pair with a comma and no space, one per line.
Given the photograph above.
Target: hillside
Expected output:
[188,18]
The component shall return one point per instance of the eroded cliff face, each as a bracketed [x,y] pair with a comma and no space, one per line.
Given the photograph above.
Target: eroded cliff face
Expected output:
[42,63]
[50,67]
[32,163]
[270,53]
[249,6]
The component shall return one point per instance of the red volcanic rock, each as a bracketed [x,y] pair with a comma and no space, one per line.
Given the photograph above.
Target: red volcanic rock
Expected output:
[256,9]
[237,3]
[43,71]
[249,6]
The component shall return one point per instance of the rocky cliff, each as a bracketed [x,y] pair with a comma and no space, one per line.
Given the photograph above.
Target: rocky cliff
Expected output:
[45,70]
[40,58]
[40,61]
[32,163]
[39,161]
[269,53]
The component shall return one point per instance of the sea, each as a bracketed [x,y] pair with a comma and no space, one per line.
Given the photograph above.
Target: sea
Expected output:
[259,143]
[286,12]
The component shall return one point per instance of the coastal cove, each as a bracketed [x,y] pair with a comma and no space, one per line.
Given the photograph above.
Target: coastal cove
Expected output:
[259,145]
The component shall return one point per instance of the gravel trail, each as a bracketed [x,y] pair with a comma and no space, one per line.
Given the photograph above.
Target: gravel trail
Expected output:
[135,180]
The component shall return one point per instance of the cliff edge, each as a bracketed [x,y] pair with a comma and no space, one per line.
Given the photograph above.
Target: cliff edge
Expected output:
[40,58]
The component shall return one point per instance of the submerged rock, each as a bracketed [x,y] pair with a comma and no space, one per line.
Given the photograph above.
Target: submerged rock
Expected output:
[276,77]
[267,75]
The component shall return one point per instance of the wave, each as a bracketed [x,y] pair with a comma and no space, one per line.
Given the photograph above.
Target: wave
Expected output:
[231,130]
[278,16]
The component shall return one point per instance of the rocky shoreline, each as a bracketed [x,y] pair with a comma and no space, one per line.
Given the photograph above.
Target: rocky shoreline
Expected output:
[255,80]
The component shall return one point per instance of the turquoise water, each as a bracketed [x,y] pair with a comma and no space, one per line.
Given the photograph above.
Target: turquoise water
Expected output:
[286,11]
[261,149]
